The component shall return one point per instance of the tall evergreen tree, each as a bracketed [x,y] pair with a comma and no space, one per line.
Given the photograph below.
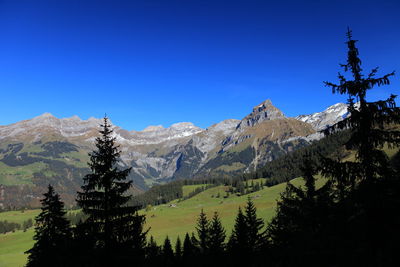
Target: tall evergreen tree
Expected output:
[254,226]
[247,237]
[238,242]
[368,122]
[217,235]
[153,253]
[203,232]
[52,233]
[115,227]
[178,249]
[368,186]
[217,240]
[168,253]
[189,250]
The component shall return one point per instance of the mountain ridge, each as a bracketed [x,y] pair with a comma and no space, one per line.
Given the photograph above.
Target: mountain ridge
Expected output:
[156,154]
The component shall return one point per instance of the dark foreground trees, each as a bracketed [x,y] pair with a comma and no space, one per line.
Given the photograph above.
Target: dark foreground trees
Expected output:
[52,234]
[113,231]
[368,188]
[353,219]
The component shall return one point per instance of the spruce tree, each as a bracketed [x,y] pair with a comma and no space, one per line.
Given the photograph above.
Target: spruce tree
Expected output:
[189,249]
[168,253]
[216,240]
[203,232]
[238,242]
[217,235]
[191,252]
[115,228]
[254,226]
[52,233]
[247,237]
[368,186]
[153,253]
[178,249]
[369,123]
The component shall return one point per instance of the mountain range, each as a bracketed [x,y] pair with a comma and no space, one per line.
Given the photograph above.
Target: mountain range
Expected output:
[45,149]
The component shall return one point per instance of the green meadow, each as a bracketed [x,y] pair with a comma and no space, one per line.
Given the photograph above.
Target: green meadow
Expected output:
[13,246]
[172,219]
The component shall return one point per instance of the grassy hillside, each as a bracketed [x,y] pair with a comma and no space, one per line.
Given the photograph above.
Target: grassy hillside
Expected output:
[18,216]
[173,219]
[13,246]
[178,217]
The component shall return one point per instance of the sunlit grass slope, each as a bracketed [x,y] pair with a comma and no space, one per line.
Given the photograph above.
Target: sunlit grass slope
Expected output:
[13,246]
[178,217]
[173,219]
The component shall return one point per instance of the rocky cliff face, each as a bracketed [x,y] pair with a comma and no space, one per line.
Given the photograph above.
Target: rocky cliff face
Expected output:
[47,149]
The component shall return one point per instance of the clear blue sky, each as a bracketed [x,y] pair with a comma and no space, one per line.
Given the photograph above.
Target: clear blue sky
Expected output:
[160,62]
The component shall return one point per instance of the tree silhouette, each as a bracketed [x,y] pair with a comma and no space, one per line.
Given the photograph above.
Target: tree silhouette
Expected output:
[368,122]
[52,233]
[368,186]
[178,251]
[203,232]
[189,251]
[153,253]
[255,225]
[238,243]
[115,228]
[301,213]
[216,240]
[217,235]
[168,253]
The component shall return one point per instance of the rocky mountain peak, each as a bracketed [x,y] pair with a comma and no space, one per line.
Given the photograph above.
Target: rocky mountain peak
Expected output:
[44,117]
[330,116]
[262,112]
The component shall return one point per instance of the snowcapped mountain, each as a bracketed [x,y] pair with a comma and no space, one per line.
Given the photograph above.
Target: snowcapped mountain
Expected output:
[330,116]
[47,149]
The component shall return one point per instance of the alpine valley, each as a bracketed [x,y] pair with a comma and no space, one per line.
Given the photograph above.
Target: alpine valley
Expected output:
[45,149]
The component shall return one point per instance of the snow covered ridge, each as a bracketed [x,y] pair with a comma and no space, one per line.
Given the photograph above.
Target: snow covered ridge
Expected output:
[330,116]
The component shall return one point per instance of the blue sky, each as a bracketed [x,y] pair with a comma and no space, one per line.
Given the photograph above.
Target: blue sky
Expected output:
[160,62]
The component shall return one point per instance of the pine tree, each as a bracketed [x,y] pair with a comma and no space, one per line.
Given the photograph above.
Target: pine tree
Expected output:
[368,122]
[168,253]
[153,250]
[254,226]
[115,227]
[368,186]
[189,250]
[153,253]
[178,249]
[217,240]
[238,242]
[203,232]
[52,233]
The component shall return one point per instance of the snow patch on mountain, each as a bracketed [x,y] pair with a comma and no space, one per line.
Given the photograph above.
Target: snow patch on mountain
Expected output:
[328,117]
